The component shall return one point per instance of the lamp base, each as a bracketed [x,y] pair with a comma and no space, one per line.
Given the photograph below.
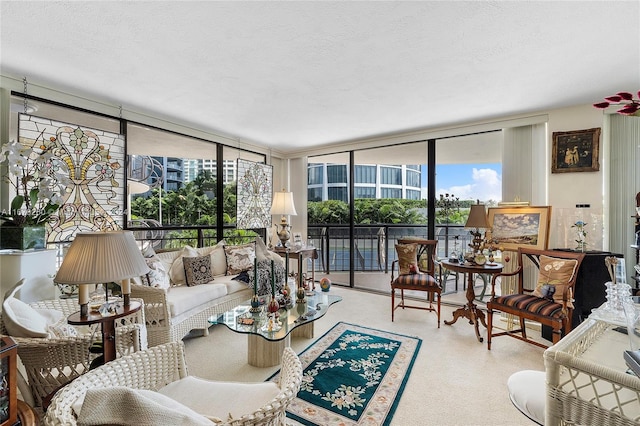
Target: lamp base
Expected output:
[477,242]
[284,234]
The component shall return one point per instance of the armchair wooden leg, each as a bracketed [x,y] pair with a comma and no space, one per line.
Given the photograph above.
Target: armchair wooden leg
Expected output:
[489,326]
[524,329]
[393,302]
[439,297]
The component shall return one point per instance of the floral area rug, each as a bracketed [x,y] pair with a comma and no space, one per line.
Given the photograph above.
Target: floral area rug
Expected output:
[353,375]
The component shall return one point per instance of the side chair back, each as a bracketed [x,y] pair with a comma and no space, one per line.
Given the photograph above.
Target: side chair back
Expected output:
[411,250]
[547,301]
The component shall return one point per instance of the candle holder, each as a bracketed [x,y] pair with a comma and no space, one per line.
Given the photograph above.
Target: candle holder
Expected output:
[300,295]
[273,306]
[255,304]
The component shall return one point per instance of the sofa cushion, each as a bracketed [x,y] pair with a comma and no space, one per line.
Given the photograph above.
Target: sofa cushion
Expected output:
[231,399]
[240,257]
[218,261]
[527,391]
[197,270]
[176,273]
[182,298]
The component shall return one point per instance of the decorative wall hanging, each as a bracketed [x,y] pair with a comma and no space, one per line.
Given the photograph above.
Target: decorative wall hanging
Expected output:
[255,191]
[575,151]
[92,160]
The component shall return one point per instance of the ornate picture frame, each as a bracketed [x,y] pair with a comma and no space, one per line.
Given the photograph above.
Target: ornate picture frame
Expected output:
[527,226]
[576,151]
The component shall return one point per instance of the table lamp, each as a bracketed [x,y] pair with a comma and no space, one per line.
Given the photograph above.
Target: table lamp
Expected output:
[101,258]
[283,205]
[477,220]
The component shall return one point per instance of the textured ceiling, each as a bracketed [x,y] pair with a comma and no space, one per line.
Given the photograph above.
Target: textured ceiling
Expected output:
[291,75]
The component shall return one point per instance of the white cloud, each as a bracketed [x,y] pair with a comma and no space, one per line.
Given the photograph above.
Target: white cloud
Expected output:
[485,185]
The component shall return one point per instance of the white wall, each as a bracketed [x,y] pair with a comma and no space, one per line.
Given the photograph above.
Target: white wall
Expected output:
[568,189]
[564,190]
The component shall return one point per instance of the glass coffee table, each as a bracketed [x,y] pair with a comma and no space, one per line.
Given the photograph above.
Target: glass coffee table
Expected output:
[267,339]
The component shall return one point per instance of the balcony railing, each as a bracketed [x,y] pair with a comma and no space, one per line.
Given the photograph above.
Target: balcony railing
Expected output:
[375,245]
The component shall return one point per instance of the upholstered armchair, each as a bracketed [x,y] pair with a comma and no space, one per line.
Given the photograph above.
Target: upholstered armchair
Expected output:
[548,300]
[412,276]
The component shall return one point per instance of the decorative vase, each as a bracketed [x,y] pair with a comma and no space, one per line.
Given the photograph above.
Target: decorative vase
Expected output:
[325,284]
[273,305]
[22,237]
[300,295]
[255,304]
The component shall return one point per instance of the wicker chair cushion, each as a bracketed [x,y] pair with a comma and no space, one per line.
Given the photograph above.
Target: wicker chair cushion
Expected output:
[556,272]
[415,280]
[533,304]
[220,399]
[407,256]
[120,405]
[197,270]
[21,320]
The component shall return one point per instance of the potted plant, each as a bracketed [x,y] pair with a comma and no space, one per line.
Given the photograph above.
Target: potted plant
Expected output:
[37,184]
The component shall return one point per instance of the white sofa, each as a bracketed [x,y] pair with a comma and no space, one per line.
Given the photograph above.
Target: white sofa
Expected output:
[174,309]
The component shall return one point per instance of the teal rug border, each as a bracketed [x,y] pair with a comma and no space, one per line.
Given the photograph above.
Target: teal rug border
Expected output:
[396,401]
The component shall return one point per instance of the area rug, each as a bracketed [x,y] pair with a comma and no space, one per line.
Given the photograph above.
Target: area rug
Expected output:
[353,375]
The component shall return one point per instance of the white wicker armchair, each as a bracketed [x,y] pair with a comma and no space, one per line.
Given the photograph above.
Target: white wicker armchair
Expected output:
[50,363]
[160,365]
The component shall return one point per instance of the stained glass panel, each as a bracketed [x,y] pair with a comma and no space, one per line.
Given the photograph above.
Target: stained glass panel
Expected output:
[255,191]
[93,196]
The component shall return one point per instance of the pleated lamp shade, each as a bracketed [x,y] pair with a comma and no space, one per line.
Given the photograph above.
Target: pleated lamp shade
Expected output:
[477,217]
[101,257]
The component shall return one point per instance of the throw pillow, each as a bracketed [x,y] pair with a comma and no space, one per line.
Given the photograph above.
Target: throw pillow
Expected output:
[157,275]
[176,273]
[218,261]
[239,258]
[197,270]
[555,272]
[407,256]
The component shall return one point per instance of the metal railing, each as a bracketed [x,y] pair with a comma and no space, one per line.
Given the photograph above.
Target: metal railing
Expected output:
[374,245]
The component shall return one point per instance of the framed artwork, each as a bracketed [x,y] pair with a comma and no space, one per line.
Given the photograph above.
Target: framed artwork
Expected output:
[575,151]
[526,226]
[254,194]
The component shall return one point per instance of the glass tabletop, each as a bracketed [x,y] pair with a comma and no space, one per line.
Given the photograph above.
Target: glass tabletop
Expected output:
[241,320]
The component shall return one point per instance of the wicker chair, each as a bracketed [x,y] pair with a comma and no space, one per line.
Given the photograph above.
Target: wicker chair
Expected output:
[51,363]
[160,365]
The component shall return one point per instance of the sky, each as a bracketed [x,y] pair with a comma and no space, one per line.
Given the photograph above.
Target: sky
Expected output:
[468,181]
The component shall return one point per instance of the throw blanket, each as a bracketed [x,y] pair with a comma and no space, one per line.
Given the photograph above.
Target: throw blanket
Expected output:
[264,277]
[120,405]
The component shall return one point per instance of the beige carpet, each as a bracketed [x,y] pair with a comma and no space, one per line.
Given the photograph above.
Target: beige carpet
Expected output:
[455,380]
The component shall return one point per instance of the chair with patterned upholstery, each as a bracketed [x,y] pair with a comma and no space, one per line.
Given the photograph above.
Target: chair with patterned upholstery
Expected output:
[415,273]
[547,300]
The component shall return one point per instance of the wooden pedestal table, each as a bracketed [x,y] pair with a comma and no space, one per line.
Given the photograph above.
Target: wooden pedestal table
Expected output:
[265,347]
[300,255]
[108,324]
[470,310]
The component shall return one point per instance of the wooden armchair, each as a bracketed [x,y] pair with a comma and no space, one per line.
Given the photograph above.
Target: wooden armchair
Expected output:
[409,252]
[547,301]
